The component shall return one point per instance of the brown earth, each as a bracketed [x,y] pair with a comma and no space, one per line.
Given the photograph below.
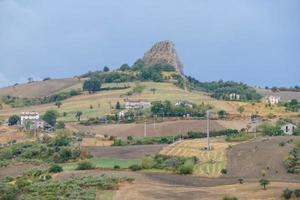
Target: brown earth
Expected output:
[126,152]
[161,129]
[250,159]
[8,134]
[38,89]
[16,169]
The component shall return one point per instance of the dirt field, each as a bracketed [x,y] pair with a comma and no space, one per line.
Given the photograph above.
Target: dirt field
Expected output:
[251,158]
[284,95]
[39,88]
[126,152]
[15,169]
[156,186]
[163,128]
[8,134]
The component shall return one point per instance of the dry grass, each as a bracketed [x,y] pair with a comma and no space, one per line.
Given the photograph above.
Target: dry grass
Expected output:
[8,134]
[211,162]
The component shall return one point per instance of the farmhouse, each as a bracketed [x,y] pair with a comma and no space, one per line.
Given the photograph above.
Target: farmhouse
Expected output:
[272,100]
[137,104]
[288,128]
[29,116]
[184,103]
[234,96]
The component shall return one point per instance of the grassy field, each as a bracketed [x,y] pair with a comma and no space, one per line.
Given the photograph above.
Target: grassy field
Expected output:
[107,163]
[211,162]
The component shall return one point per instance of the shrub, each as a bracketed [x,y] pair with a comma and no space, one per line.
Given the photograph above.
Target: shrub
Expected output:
[230,198]
[297,193]
[287,193]
[55,168]
[187,167]
[13,120]
[85,165]
[223,171]
[135,167]
[148,162]
[60,125]
[117,167]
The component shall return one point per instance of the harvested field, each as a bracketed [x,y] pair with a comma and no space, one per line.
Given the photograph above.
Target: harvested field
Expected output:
[211,162]
[161,129]
[95,142]
[125,152]
[250,159]
[15,169]
[38,89]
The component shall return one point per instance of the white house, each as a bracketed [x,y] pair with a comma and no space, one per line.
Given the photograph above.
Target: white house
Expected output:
[137,104]
[272,100]
[32,116]
[234,96]
[184,103]
[288,128]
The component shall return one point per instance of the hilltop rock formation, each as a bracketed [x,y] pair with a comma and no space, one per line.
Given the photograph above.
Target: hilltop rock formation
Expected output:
[164,51]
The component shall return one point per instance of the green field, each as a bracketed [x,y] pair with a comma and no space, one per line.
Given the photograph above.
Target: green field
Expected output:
[107,163]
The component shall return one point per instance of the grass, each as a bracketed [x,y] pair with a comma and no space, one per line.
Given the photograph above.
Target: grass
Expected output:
[211,162]
[106,194]
[107,163]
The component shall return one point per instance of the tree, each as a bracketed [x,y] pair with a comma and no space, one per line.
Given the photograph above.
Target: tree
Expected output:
[13,120]
[78,115]
[125,67]
[138,89]
[222,114]
[106,69]
[58,104]
[118,105]
[30,80]
[264,182]
[92,85]
[241,109]
[50,117]
[153,90]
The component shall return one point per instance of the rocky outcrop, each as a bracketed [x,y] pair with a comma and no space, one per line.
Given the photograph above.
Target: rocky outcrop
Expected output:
[164,52]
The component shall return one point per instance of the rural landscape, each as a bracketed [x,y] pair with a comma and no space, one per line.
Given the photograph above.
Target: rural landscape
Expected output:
[147,129]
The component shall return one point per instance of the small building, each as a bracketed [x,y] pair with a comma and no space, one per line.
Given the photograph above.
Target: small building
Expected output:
[29,116]
[184,103]
[288,129]
[234,96]
[137,104]
[272,100]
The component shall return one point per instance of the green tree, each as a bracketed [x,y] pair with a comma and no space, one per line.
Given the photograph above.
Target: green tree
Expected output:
[58,104]
[118,105]
[50,117]
[13,120]
[92,85]
[106,69]
[138,89]
[264,182]
[222,114]
[78,115]
[55,168]
[125,67]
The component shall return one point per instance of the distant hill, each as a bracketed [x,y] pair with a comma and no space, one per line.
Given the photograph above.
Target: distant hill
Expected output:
[39,89]
[284,95]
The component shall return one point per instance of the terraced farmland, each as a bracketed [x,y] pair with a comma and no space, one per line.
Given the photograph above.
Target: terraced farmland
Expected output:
[211,162]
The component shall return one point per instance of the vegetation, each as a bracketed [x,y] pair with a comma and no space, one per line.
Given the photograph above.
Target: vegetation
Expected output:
[270,130]
[293,105]
[264,182]
[85,165]
[55,168]
[92,85]
[50,117]
[292,161]
[230,198]
[222,89]
[13,120]
[36,184]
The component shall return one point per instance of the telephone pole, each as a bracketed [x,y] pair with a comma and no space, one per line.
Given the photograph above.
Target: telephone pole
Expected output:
[145,128]
[207,131]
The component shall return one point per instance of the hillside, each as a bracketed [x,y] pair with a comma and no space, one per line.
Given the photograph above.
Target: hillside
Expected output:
[38,89]
[284,95]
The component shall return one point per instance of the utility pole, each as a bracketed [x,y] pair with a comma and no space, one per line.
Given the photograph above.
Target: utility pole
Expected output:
[154,121]
[207,126]
[145,128]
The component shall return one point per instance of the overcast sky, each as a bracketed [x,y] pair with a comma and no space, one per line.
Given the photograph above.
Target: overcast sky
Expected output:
[254,41]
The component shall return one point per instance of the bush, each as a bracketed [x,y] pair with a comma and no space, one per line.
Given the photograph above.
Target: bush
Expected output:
[117,167]
[135,167]
[223,171]
[13,120]
[148,162]
[85,165]
[60,125]
[55,168]
[287,193]
[297,193]
[230,198]
[187,167]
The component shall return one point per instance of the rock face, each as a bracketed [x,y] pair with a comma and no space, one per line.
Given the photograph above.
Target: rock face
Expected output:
[164,51]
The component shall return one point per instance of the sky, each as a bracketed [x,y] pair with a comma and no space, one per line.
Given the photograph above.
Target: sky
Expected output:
[253,41]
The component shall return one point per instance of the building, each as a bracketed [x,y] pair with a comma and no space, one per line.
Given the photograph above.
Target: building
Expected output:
[234,96]
[272,100]
[288,129]
[184,103]
[29,116]
[137,104]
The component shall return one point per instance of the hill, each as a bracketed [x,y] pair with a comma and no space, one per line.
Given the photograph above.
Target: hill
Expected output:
[38,89]
[284,95]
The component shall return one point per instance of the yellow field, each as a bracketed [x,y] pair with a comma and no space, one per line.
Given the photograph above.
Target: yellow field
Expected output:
[211,162]
[103,102]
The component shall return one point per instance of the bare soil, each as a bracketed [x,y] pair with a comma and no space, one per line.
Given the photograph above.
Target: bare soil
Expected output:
[15,169]
[126,152]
